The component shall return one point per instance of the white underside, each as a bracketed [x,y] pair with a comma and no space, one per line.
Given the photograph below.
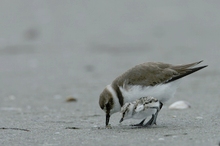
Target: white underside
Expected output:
[143,114]
[162,92]
[140,110]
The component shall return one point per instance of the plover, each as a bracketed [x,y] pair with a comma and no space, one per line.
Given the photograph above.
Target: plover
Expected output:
[156,79]
[141,109]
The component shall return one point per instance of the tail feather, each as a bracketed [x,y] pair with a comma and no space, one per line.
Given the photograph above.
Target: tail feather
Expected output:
[186,66]
[187,72]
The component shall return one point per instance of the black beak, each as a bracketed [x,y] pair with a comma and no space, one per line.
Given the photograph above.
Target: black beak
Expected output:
[107,119]
[121,120]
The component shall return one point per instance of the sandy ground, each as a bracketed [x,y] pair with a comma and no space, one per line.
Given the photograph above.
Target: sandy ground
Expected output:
[52,50]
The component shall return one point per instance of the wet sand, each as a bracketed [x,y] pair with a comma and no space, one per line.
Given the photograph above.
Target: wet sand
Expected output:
[54,51]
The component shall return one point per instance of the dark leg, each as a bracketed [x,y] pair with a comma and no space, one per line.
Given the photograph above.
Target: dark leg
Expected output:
[150,122]
[153,119]
[140,124]
[161,105]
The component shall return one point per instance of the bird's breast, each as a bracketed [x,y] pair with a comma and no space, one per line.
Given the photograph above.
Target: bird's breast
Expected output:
[162,92]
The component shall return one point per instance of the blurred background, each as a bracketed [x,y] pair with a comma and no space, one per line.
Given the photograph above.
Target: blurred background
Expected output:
[59,48]
[53,49]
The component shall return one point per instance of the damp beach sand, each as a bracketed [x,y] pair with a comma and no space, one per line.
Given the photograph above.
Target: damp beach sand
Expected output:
[56,57]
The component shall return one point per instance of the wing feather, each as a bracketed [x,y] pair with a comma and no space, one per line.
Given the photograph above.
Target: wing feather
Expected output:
[153,73]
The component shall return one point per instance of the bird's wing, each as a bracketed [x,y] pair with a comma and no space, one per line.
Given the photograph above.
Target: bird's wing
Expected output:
[153,73]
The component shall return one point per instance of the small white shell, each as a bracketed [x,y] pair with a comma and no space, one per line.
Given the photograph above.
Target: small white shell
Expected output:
[180,105]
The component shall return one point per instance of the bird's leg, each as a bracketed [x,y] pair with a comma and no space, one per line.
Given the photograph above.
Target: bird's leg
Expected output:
[158,109]
[140,124]
[153,118]
[150,122]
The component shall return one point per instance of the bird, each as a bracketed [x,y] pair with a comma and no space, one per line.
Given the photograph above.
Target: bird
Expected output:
[157,79]
[141,109]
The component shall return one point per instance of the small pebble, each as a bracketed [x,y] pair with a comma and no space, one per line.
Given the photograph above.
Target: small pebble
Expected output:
[72,128]
[71,99]
[180,105]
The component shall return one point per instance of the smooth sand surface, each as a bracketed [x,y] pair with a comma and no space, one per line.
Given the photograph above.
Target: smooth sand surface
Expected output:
[52,50]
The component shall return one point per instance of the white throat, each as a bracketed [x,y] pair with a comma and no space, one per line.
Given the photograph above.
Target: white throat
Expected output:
[116,106]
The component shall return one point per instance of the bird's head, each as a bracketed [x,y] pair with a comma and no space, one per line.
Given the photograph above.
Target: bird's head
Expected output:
[106,103]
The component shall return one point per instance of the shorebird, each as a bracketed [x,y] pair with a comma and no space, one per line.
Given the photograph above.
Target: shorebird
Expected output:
[141,109]
[156,79]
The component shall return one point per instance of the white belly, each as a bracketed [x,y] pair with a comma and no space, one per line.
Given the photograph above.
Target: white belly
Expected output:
[162,92]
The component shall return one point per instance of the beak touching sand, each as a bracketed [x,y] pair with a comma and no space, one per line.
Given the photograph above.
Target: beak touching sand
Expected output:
[107,119]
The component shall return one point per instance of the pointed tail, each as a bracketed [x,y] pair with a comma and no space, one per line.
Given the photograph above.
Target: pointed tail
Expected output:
[187,71]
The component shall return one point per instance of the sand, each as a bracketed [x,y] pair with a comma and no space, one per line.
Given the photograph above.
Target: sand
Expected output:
[51,51]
